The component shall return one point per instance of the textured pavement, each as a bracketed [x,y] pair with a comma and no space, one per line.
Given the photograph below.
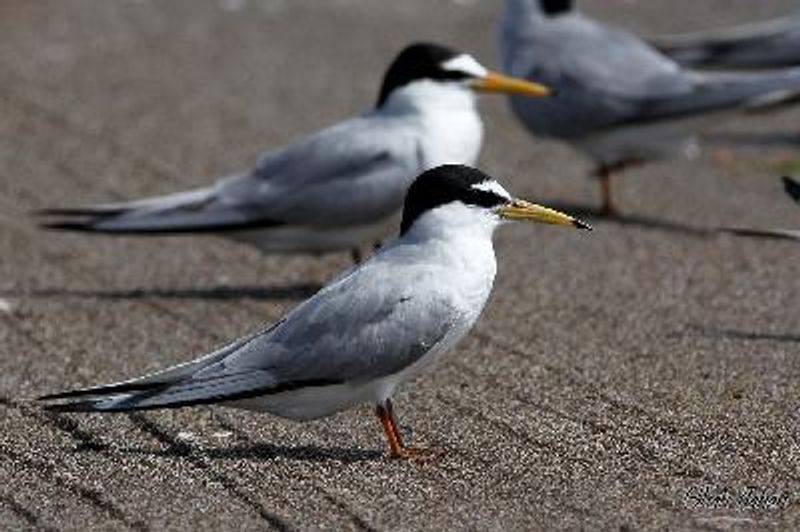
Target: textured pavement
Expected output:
[642,376]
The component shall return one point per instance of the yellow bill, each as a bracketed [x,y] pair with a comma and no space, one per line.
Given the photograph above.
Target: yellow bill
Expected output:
[524,210]
[494,82]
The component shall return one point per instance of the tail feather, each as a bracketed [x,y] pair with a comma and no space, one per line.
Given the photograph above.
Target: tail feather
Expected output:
[85,210]
[720,91]
[111,389]
[85,226]
[120,396]
[194,211]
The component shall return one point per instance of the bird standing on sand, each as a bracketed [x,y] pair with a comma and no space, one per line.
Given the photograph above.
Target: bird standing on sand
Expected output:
[620,100]
[374,327]
[340,187]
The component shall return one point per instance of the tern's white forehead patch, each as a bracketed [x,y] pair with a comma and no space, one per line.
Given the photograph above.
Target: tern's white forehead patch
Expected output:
[465,63]
[492,186]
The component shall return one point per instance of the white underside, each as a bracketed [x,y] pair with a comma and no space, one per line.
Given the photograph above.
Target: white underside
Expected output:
[640,143]
[315,402]
[304,239]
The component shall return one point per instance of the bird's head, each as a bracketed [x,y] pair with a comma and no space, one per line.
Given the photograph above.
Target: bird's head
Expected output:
[422,69]
[463,197]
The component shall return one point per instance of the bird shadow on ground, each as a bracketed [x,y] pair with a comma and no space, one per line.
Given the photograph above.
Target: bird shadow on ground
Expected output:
[595,214]
[750,336]
[219,293]
[252,452]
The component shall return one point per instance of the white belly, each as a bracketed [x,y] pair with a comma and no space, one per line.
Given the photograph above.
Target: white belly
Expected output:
[639,143]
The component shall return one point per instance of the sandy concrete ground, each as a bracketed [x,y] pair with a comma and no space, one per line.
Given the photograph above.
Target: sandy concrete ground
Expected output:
[643,376]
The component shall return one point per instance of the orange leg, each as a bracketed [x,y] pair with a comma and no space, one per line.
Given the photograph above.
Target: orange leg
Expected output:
[385,413]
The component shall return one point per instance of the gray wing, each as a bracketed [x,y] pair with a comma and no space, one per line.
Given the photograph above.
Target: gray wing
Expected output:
[602,75]
[369,324]
[767,44]
[368,161]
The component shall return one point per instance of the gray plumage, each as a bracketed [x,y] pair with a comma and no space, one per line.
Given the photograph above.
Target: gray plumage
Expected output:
[608,79]
[765,44]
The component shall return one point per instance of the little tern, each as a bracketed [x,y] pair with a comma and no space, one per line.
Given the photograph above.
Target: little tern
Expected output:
[337,188]
[620,99]
[374,327]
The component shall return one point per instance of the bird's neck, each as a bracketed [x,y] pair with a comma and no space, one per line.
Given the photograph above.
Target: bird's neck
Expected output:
[456,235]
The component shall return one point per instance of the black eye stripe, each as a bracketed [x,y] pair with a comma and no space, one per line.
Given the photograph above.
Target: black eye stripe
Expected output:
[446,184]
[416,62]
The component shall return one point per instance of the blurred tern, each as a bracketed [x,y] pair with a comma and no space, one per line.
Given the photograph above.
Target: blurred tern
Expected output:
[339,187]
[619,98]
[374,327]
[765,44]
[792,188]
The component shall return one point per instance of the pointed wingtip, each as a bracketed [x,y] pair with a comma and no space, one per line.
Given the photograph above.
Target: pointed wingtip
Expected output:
[792,187]
[83,227]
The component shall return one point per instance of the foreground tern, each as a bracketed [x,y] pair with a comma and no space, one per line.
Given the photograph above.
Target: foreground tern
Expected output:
[339,187]
[374,327]
[766,44]
[792,188]
[619,98]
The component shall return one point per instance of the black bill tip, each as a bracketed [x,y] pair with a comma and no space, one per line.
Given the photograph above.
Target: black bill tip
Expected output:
[582,225]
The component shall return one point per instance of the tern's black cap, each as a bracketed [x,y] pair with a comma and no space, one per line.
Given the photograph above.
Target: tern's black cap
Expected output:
[419,61]
[446,184]
[556,7]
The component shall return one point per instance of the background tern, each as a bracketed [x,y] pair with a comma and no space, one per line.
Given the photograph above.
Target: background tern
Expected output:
[619,97]
[339,187]
[372,328]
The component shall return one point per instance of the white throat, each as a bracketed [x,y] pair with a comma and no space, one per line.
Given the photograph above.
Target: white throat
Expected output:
[455,222]
[428,96]
[446,119]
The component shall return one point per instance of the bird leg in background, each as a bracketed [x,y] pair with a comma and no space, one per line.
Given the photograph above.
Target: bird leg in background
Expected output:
[604,173]
[385,413]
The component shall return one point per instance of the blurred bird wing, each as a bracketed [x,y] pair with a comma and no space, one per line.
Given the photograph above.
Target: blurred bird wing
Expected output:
[355,171]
